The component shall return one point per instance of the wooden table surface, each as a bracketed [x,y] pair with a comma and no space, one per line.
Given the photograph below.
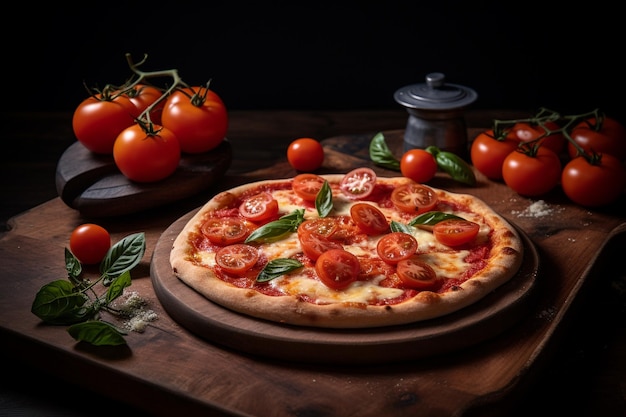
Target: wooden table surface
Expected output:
[565,356]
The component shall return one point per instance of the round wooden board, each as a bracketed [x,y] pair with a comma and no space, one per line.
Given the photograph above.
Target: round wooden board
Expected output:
[487,318]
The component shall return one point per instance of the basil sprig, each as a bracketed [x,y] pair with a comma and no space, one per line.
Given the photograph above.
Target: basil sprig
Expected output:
[324,200]
[431,218]
[278,228]
[381,155]
[70,302]
[278,267]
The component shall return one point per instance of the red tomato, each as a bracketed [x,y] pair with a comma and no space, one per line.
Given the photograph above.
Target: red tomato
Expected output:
[90,243]
[142,96]
[307,186]
[237,259]
[532,176]
[417,274]
[608,136]
[305,154]
[414,198]
[259,207]
[98,121]
[594,185]
[322,226]
[527,132]
[418,165]
[396,246]
[455,232]
[337,268]
[369,219]
[198,118]
[226,230]
[314,245]
[358,183]
[487,153]
[146,157]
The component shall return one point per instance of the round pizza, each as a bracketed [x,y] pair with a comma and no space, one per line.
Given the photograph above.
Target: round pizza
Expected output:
[345,251]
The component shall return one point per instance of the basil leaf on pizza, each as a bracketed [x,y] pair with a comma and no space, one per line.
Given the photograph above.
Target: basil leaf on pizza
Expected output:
[339,261]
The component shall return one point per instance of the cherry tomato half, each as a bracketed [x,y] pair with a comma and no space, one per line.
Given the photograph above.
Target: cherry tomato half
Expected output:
[418,165]
[198,118]
[414,198]
[98,121]
[396,246]
[259,207]
[594,185]
[609,137]
[417,274]
[307,186]
[358,183]
[146,157]
[226,230]
[369,219]
[322,226]
[314,244]
[337,268]
[305,154]
[532,176]
[90,243]
[237,259]
[455,232]
[488,153]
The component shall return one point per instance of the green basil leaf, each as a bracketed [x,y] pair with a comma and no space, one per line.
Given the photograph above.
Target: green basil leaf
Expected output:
[58,302]
[400,227]
[117,286]
[97,333]
[276,268]
[73,266]
[431,218]
[324,200]
[278,228]
[453,165]
[380,153]
[123,256]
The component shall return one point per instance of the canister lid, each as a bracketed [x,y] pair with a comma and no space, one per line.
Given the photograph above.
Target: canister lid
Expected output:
[435,94]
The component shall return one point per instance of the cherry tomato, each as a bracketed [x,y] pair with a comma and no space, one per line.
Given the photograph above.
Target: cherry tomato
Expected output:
[414,198]
[417,274]
[198,118]
[142,96]
[396,246]
[90,243]
[322,226]
[258,207]
[369,219]
[307,186]
[98,121]
[607,137]
[237,259]
[594,185]
[455,232]
[337,268]
[226,230]
[418,165]
[527,132]
[488,154]
[358,183]
[305,154]
[146,157]
[532,176]
[314,245]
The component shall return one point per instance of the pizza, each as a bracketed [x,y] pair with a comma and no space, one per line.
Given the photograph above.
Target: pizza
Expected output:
[344,251]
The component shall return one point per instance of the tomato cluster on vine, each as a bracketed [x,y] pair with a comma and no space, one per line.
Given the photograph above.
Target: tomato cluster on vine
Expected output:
[583,154]
[147,129]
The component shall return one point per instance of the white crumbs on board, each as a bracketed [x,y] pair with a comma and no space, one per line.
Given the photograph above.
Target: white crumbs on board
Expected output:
[537,209]
[133,309]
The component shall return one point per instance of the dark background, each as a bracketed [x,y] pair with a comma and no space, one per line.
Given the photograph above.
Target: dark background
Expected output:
[335,55]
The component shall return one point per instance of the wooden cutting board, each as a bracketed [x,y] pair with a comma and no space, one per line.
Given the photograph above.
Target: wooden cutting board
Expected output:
[94,186]
[487,318]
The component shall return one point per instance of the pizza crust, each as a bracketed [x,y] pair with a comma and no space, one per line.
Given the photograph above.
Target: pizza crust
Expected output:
[503,263]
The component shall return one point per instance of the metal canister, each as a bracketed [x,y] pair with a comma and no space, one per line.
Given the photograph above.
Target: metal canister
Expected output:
[436,110]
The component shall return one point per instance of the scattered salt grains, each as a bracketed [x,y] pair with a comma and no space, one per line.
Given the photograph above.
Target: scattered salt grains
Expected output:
[537,209]
[134,308]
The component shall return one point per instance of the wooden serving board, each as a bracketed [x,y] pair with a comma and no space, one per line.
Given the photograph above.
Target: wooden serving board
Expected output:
[473,324]
[93,185]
